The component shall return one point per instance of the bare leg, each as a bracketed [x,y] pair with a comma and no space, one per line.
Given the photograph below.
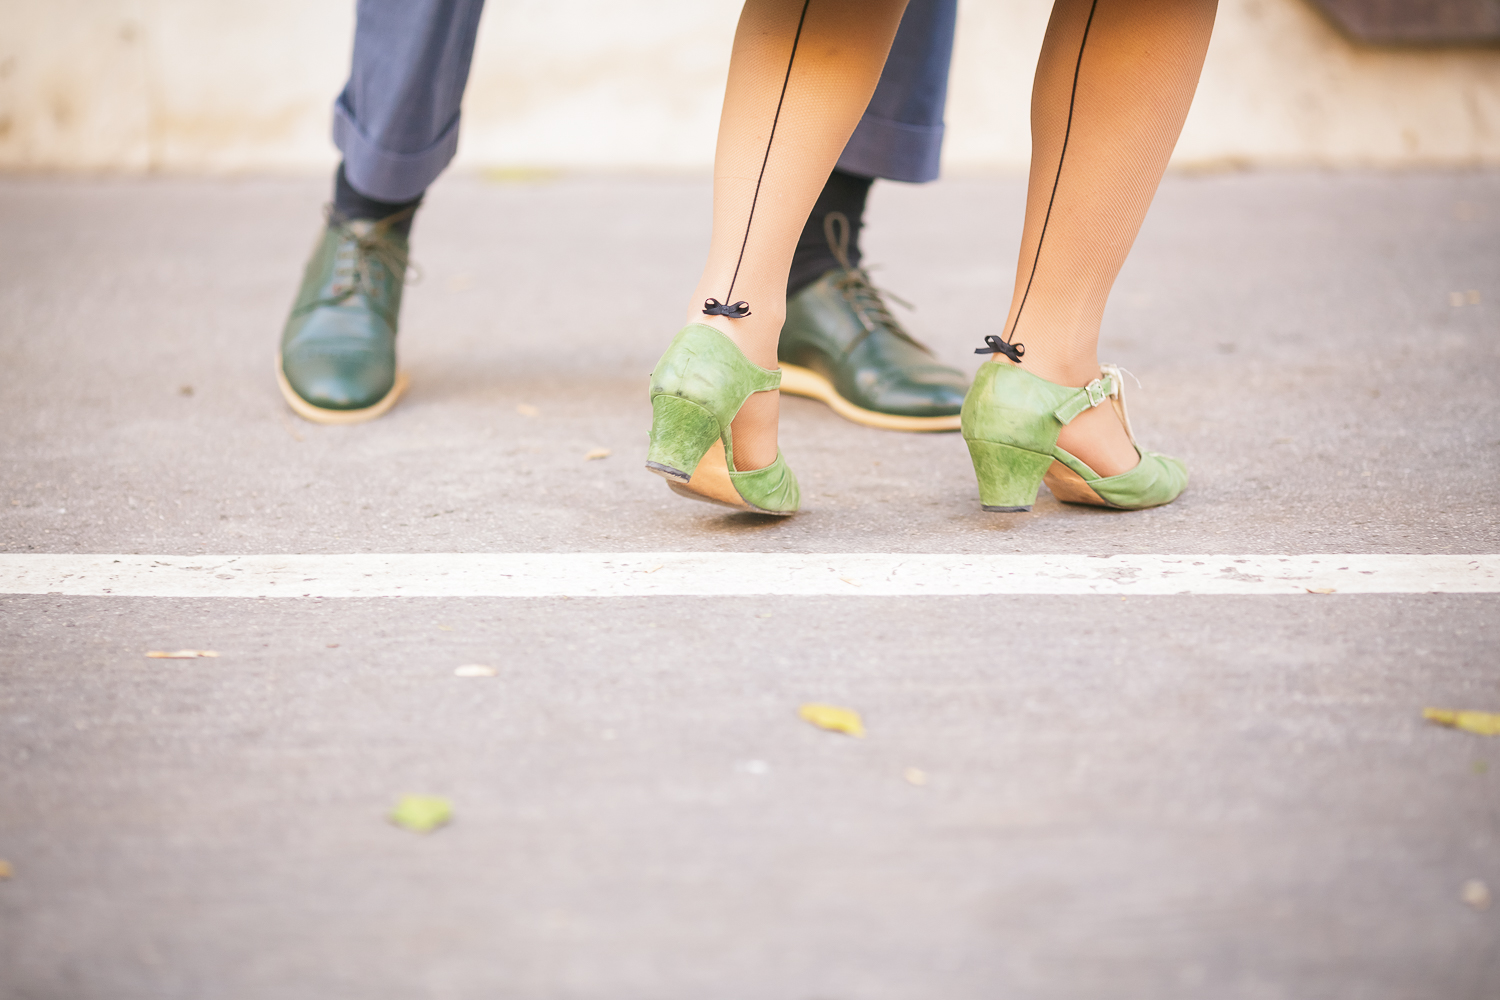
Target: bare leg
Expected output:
[839,55]
[1114,83]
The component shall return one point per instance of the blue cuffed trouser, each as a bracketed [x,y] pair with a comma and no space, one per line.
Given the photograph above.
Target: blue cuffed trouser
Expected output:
[396,121]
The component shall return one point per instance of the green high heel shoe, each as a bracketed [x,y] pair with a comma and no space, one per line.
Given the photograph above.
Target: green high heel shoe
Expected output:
[1010,422]
[697,388]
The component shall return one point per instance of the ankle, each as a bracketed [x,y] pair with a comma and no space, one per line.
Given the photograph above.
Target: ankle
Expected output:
[1070,373]
[814,257]
[352,204]
[756,335]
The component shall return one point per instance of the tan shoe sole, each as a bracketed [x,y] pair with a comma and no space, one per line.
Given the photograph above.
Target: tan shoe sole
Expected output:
[800,381]
[710,483]
[319,415]
[1069,487]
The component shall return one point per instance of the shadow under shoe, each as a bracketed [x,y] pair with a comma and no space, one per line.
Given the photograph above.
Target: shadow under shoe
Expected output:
[841,345]
[337,362]
[1011,419]
[697,387]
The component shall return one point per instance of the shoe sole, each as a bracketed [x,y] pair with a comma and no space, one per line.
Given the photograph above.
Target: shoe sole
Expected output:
[799,381]
[320,415]
[710,483]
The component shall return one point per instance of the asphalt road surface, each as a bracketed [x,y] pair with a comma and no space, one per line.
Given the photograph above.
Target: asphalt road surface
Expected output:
[1107,794]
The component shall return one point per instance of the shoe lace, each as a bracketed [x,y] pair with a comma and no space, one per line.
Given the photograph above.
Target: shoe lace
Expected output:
[363,253]
[865,298]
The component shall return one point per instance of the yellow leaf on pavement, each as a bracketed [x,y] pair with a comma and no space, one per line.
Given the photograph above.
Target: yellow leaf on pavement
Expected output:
[422,813]
[474,670]
[596,453]
[1483,723]
[833,718]
[6,871]
[181,654]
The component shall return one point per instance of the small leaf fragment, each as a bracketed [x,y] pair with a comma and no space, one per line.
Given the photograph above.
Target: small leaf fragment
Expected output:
[915,776]
[181,654]
[422,813]
[474,670]
[596,453]
[1321,590]
[833,718]
[527,410]
[1483,723]
[6,871]
[1476,894]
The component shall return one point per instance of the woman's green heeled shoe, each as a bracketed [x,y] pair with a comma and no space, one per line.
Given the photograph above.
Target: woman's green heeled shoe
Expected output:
[697,388]
[1011,419]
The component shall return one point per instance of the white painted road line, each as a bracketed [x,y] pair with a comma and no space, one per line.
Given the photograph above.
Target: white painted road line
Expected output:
[697,574]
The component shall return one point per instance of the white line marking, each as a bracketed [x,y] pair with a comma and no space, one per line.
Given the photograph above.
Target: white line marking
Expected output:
[705,574]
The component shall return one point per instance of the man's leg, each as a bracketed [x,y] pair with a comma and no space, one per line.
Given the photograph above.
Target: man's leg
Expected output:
[396,123]
[840,343]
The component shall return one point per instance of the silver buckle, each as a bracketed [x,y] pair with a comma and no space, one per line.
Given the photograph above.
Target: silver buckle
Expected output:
[1096,386]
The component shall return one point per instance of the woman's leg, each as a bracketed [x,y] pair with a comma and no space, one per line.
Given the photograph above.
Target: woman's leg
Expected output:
[1113,85]
[841,47]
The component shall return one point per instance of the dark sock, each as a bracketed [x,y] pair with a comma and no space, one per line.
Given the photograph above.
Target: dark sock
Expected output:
[352,205]
[843,193]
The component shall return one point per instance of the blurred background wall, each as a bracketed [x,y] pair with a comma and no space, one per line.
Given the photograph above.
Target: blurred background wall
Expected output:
[212,86]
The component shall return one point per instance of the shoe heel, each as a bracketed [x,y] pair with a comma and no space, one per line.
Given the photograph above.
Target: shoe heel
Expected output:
[681,433]
[1009,477]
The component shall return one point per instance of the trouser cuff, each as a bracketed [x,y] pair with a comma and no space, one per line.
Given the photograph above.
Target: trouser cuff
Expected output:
[383,175]
[893,150]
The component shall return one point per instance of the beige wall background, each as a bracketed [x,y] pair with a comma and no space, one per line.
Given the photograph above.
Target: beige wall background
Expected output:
[212,86]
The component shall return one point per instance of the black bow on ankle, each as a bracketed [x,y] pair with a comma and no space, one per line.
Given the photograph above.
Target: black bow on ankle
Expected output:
[713,307]
[998,346]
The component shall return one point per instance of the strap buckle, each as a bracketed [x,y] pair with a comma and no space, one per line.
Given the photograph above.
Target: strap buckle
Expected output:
[1096,386]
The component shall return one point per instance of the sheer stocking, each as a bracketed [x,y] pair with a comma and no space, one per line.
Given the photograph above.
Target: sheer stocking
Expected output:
[840,52]
[1113,85]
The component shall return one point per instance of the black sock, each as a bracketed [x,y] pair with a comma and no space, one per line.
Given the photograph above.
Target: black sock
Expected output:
[843,193]
[352,205]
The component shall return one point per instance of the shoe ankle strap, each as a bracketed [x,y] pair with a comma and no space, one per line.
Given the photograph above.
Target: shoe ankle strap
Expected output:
[1087,398]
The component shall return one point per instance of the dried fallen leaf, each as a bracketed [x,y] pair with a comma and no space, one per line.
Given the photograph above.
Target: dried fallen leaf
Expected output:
[527,410]
[833,718]
[422,813]
[1320,590]
[475,670]
[915,776]
[596,453]
[1476,894]
[6,871]
[181,654]
[1483,723]
[852,583]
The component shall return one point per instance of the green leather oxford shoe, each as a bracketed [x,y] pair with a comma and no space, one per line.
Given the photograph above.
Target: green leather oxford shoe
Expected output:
[337,363]
[841,345]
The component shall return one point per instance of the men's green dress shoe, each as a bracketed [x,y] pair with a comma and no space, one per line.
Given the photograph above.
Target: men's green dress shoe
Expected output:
[841,345]
[337,363]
